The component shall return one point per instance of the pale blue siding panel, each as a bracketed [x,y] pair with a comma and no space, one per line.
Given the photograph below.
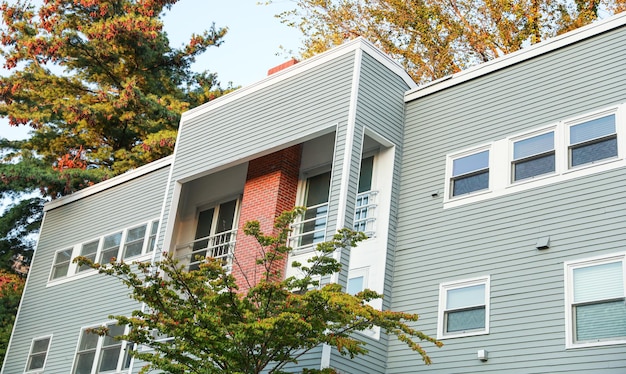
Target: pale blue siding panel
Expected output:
[380,108]
[275,115]
[61,310]
[584,217]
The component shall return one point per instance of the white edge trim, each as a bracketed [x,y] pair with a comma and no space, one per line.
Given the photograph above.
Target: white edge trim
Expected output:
[19,308]
[486,280]
[109,183]
[302,66]
[521,55]
[568,266]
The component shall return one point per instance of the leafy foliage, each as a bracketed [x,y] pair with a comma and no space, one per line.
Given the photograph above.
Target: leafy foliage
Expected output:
[11,287]
[199,321]
[102,89]
[434,38]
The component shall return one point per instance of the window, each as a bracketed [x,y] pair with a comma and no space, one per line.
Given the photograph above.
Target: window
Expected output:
[38,354]
[596,308]
[89,251]
[463,308]
[102,354]
[215,235]
[152,238]
[110,248]
[533,156]
[470,173]
[133,245]
[311,229]
[61,263]
[365,199]
[588,144]
[592,141]
[357,281]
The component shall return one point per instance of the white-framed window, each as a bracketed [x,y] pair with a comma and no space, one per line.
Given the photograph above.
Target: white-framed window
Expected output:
[125,245]
[102,354]
[110,248]
[365,207]
[591,140]
[469,172]
[216,231]
[89,250]
[533,156]
[590,143]
[357,280]
[595,301]
[38,354]
[61,263]
[463,308]
[314,194]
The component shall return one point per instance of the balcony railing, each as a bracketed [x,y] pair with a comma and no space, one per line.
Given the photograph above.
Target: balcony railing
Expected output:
[311,229]
[365,212]
[219,246]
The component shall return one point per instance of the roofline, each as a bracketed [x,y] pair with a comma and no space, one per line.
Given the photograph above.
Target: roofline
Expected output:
[538,49]
[109,183]
[300,67]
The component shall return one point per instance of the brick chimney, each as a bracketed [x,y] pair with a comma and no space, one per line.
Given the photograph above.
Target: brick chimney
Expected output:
[282,66]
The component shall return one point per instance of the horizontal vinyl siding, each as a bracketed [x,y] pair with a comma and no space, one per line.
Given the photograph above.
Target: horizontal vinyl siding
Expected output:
[584,217]
[380,108]
[62,309]
[276,115]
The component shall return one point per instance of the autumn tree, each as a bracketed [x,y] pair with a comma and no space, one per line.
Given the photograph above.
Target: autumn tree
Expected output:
[434,38]
[100,86]
[201,322]
[11,287]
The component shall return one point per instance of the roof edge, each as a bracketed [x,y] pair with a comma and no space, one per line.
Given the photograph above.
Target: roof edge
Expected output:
[502,62]
[304,65]
[109,183]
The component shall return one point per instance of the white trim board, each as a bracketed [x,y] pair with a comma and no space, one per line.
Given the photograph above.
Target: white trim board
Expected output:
[549,45]
[301,67]
[109,183]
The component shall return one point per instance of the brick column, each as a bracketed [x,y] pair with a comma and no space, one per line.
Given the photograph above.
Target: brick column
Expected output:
[270,189]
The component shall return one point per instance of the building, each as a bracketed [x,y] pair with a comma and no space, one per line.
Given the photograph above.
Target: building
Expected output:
[493,200]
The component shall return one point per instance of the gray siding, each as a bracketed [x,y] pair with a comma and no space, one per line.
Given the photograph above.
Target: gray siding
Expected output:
[277,116]
[584,217]
[61,310]
[380,108]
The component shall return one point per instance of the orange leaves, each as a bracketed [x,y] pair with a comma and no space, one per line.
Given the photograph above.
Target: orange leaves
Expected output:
[71,160]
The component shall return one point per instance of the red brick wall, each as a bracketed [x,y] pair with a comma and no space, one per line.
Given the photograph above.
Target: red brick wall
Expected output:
[270,189]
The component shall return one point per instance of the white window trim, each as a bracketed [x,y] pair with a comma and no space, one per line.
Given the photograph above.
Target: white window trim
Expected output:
[359,272]
[449,166]
[501,155]
[301,196]
[528,135]
[30,352]
[569,266]
[73,274]
[444,287]
[54,257]
[96,359]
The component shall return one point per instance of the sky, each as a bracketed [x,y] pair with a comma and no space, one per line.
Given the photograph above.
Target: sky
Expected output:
[256,41]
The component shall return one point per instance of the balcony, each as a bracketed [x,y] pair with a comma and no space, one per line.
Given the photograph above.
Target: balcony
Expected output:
[311,229]
[365,212]
[220,246]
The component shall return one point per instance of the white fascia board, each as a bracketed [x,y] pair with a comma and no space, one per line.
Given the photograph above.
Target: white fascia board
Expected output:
[109,183]
[538,49]
[299,68]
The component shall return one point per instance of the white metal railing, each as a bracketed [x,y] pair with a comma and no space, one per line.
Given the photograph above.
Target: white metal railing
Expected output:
[219,246]
[310,229]
[365,212]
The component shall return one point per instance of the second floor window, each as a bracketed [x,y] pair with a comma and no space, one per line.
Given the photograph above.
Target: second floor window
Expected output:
[533,156]
[592,141]
[470,173]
